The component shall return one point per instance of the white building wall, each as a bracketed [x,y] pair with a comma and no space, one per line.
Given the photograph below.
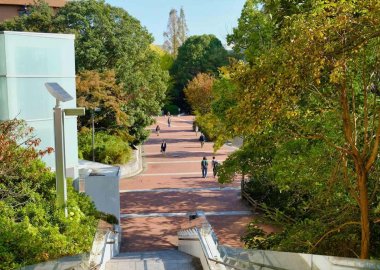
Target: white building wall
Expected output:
[27,62]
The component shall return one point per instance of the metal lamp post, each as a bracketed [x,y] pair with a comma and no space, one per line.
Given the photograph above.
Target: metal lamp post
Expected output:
[93,131]
[61,95]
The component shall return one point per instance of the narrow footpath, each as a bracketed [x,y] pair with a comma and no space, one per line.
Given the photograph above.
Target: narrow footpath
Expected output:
[154,204]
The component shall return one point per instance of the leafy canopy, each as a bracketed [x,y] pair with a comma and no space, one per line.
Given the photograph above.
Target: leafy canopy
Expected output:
[198,93]
[198,54]
[314,95]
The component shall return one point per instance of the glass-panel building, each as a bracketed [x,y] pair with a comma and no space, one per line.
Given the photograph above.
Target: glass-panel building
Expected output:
[27,62]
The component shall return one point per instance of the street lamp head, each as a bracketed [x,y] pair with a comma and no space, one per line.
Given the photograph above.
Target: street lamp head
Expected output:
[58,92]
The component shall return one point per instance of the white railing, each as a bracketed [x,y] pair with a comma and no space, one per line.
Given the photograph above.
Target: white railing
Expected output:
[104,248]
[255,259]
[198,244]
[199,240]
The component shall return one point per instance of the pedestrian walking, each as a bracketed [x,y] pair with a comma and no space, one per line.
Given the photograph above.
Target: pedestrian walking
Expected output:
[202,139]
[204,166]
[158,130]
[163,147]
[215,164]
[196,130]
[169,120]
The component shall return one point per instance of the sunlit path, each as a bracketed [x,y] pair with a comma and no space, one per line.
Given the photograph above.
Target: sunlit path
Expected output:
[154,204]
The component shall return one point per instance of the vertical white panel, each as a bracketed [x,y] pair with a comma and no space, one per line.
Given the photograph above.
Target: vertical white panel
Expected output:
[32,59]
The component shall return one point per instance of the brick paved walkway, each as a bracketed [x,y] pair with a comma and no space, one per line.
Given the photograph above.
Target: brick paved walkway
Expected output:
[154,204]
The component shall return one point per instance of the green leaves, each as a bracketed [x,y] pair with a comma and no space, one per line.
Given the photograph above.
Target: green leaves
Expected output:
[307,107]
[33,229]
[254,32]
[109,149]
[198,54]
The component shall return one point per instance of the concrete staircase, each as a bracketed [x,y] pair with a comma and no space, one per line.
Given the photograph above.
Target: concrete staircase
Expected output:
[154,260]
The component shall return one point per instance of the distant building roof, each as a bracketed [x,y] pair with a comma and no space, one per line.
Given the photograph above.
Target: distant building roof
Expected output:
[51,3]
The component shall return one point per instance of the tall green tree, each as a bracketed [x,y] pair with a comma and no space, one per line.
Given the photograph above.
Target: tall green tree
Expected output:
[109,38]
[198,54]
[260,23]
[254,32]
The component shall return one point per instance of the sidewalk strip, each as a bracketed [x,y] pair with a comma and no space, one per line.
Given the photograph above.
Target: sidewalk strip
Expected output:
[179,161]
[185,214]
[171,125]
[180,189]
[186,144]
[166,174]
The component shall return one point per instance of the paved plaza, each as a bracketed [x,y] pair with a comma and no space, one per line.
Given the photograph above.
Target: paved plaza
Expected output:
[154,204]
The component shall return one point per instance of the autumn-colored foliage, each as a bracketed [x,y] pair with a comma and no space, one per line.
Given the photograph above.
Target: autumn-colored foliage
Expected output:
[13,135]
[198,92]
[310,88]
[99,90]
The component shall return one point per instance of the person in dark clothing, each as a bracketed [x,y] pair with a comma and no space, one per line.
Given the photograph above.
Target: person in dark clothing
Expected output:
[204,165]
[158,130]
[202,139]
[163,147]
[215,165]
[169,120]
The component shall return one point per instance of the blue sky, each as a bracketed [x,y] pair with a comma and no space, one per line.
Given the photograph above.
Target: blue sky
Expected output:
[216,17]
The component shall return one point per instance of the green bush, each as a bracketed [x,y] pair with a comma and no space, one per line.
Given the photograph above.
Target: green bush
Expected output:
[33,229]
[315,215]
[109,149]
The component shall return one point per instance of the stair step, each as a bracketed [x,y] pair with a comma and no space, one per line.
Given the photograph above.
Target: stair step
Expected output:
[154,260]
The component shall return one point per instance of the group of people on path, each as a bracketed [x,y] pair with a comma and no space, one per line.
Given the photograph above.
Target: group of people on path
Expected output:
[204,166]
[204,163]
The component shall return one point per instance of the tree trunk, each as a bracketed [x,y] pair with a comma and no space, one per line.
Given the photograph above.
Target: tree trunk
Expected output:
[364,218]
[361,172]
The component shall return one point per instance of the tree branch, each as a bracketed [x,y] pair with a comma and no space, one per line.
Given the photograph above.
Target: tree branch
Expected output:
[365,89]
[335,230]
[351,190]
[375,149]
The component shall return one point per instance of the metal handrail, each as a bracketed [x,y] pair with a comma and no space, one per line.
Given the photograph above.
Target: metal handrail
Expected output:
[238,268]
[224,263]
[227,264]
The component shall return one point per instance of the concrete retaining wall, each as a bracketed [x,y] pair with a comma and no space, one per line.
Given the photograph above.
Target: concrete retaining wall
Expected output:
[133,167]
[292,261]
[104,192]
